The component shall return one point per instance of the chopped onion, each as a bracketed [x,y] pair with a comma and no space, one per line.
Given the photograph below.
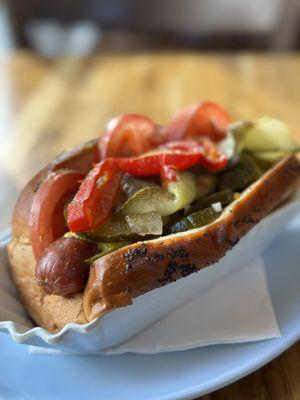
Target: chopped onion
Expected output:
[145,224]
[217,207]
[228,145]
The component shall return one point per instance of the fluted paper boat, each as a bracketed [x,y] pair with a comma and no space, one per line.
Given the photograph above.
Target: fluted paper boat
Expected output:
[121,324]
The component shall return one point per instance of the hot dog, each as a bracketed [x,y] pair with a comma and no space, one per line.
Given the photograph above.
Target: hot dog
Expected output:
[51,275]
[62,268]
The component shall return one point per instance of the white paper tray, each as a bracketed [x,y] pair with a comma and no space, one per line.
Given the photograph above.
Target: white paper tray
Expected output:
[121,324]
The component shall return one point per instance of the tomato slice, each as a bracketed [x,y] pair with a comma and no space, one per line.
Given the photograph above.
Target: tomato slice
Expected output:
[46,220]
[129,135]
[93,203]
[199,119]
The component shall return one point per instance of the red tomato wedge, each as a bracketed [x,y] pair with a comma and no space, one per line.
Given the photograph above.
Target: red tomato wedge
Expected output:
[46,221]
[93,203]
[199,119]
[129,135]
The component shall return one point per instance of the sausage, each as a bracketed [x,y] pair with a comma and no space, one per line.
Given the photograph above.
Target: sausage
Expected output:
[62,269]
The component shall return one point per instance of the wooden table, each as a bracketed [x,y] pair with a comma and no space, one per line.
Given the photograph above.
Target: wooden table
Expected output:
[46,107]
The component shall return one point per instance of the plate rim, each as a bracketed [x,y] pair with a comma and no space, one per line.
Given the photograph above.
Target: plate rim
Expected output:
[273,349]
[284,343]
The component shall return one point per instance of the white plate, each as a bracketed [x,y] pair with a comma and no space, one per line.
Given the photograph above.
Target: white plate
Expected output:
[181,375]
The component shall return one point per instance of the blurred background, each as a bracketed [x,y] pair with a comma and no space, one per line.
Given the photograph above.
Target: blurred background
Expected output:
[81,27]
[68,66]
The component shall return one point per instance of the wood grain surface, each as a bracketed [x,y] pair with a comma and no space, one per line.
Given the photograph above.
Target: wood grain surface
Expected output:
[48,106]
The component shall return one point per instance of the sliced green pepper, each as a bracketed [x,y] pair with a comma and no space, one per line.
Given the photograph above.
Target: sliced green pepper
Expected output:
[263,134]
[167,201]
[130,184]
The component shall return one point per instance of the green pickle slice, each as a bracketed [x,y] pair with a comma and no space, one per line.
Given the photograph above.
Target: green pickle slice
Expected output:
[205,184]
[224,197]
[106,248]
[123,228]
[194,220]
[241,175]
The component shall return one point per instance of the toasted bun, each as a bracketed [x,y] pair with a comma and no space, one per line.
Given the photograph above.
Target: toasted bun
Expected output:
[134,270]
